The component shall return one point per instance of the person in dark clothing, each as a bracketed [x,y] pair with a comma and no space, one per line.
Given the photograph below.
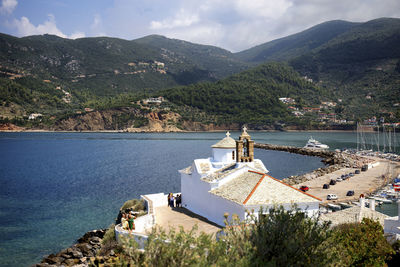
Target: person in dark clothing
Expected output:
[172,200]
[179,200]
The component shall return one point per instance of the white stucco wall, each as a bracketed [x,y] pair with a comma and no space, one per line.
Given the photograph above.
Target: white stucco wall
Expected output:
[218,206]
[223,155]
[194,193]
[196,198]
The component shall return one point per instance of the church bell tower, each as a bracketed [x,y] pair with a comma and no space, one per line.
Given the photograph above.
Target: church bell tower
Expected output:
[244,147]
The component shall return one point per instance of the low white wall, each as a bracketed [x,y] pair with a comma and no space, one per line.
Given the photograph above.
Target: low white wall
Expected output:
[392,225]
[373,165]
[311,209]
[158,200]
[144,222]
[120,233]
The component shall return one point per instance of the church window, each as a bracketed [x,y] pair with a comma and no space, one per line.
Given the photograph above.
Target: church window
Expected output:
[233,154]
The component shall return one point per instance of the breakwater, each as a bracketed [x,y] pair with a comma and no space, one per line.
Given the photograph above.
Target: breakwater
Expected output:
[333,161]
[298,150]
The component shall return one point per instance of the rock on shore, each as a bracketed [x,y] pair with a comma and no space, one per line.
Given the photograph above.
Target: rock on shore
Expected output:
[80,254]
[10,127]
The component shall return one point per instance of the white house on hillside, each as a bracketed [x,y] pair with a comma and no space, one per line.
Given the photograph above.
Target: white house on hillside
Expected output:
[233,182]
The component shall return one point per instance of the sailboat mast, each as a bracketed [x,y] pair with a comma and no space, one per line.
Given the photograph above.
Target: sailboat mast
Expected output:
[358,142]
[378,143]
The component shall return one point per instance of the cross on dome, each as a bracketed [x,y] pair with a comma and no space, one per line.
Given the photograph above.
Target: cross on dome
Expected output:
[244,129]
[228,134]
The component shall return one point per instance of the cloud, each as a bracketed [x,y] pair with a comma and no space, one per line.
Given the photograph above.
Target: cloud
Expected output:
[76,35]
[8,6]
[258,9]
[25,27]
[241,24]
[231,24]
[181,19]
[96,28]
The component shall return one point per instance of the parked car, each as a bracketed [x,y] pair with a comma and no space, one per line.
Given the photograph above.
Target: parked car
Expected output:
[325,186]
[331,197]
[350,193]
[364,168]
[351,174]
[357,172]
[304,188]
[339,179]
[332,182]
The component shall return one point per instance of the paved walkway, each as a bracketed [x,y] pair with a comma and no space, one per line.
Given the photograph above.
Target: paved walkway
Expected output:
[363,183]
[167,217]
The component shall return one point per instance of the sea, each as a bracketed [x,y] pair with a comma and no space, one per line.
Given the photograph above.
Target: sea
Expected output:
[54,187]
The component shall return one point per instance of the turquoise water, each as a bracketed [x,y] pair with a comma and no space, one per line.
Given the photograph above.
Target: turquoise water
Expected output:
[56,186]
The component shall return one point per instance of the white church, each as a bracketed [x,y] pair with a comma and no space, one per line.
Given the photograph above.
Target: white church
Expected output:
[233,182]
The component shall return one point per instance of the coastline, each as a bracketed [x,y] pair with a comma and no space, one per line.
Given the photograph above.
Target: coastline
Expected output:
[86,253]
[182,131]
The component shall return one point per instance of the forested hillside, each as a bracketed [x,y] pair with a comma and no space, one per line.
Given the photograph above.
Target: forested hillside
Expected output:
[251,96]
[358,63]
[354,67]
[107,66]
[361,66]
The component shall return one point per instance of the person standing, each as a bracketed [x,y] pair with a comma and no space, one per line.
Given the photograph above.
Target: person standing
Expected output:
[131,223]
[169,199]
[178,200]
[172,200]
[124,222]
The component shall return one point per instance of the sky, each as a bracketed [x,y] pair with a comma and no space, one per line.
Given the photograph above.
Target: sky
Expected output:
[235,25]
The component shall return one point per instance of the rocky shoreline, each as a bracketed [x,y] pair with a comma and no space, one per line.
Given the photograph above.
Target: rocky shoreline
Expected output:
[83,253]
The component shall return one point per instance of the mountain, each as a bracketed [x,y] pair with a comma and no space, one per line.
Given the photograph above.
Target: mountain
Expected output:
[218,61]
[356,65]
[108,66]
[251,96]
[361,66]
[359,63]
[297,44]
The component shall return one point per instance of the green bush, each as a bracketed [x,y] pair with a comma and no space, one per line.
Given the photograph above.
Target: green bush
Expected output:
[109,242]
[134,204]
[281,238]
[363,244]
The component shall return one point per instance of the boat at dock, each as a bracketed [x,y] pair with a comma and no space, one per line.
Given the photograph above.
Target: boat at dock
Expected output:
[383,200]
[314,144]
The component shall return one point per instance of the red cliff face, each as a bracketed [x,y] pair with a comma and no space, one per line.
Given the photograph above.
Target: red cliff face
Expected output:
[10,127]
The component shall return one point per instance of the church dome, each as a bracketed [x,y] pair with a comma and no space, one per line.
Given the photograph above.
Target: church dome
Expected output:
[227,142]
